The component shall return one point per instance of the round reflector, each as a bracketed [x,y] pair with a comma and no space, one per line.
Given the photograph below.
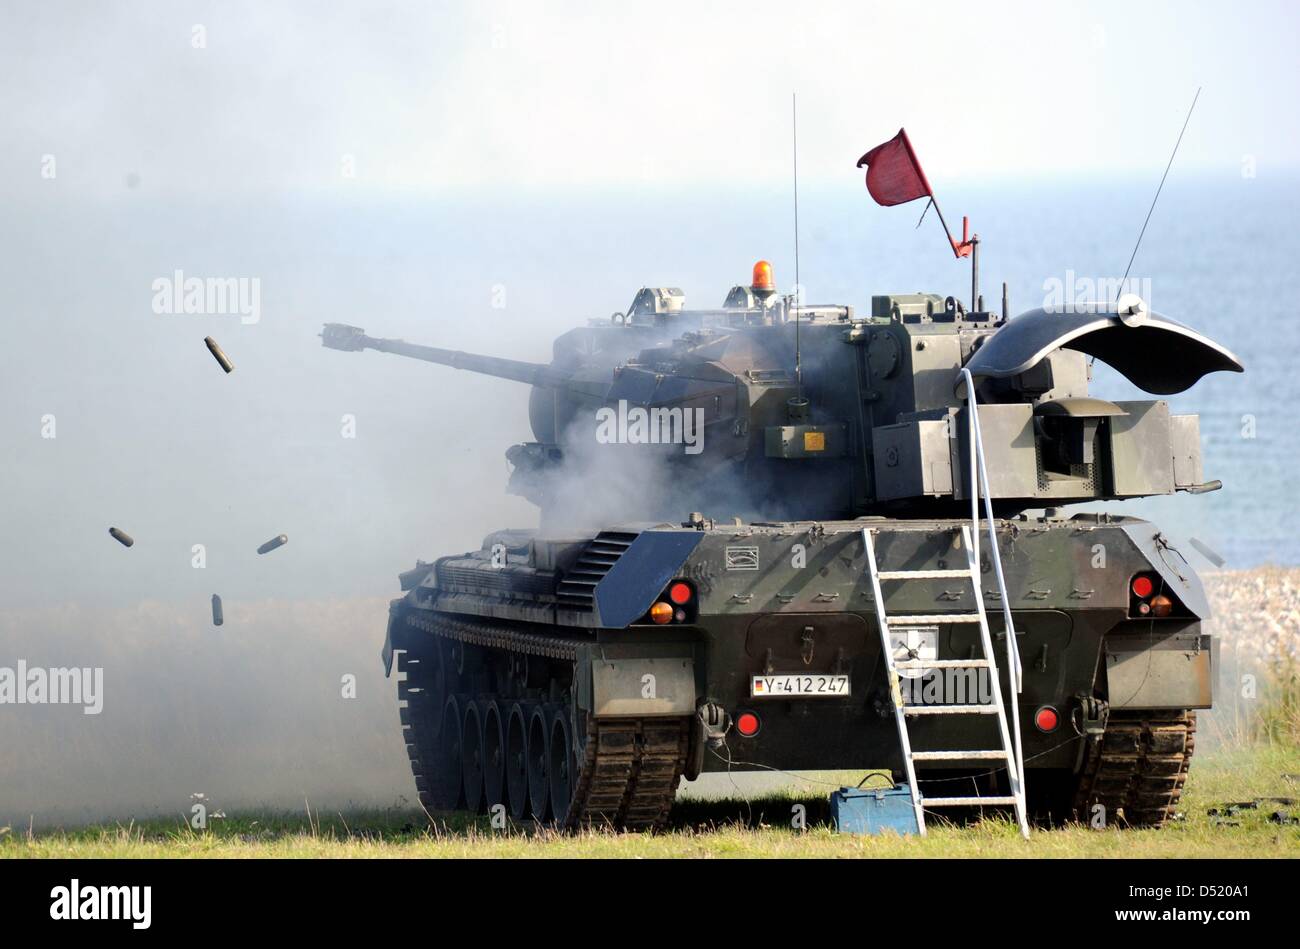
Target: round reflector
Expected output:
[1142,586]
[747,724]
[680,593]
[661,613]
[1046,719]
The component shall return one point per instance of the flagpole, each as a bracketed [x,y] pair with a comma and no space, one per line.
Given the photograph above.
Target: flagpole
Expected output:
[973,242]
[951,243]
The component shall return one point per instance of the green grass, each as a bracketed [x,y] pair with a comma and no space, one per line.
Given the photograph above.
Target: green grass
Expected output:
[727,828]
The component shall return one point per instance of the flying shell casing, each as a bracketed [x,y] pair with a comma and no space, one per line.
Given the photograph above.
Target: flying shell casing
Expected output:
[273,543]
[217,616]
[122,537]
[219,354]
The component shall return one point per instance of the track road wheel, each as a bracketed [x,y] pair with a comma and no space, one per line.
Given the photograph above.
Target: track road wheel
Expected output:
[539,780]
[471,757]
[516,763]
[560,764]
[494,756]
[449,749]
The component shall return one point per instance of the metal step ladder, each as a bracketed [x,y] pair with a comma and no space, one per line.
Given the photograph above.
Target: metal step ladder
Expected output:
[1008,729]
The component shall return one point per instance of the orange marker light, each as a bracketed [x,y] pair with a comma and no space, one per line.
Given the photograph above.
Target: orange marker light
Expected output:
[661,613]
[1161,605]
[763,277]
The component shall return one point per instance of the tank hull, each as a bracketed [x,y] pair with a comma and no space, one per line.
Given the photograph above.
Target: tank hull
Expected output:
[562,625]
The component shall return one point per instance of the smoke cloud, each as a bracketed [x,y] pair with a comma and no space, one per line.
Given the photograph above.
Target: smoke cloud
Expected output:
[252,714]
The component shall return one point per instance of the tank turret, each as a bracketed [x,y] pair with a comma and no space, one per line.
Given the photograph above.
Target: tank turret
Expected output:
[612,364]
[765,408]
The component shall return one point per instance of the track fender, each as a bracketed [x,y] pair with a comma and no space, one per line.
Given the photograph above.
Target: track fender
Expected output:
[1170,564]
[641,574]
[394,638]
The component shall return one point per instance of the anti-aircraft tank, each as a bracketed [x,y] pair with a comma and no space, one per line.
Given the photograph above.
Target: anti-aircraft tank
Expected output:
[793,480]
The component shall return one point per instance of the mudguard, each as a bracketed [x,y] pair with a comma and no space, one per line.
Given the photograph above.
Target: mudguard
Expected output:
[1172,665]
[1172,567]
[1155,353]
[641,573]
[387,652]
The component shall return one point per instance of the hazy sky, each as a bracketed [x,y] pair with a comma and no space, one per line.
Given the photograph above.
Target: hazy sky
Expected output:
[400,166]
[213,98]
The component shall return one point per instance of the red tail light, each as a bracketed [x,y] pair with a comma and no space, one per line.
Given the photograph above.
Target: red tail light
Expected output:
[747,724]
[1149,596]
[1047,719]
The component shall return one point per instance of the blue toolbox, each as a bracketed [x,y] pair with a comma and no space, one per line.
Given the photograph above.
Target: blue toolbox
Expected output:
[874,810]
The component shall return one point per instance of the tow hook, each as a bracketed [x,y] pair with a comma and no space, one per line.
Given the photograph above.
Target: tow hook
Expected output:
[1091,715]
[715,722]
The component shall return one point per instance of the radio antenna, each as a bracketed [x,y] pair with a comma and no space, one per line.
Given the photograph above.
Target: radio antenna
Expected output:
[794,127]
[1133,256]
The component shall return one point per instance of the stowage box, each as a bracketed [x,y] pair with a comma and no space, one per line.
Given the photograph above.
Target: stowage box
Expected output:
[873,810]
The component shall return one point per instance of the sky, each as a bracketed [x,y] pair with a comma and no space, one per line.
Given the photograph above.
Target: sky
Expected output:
[486,176]
[429,98]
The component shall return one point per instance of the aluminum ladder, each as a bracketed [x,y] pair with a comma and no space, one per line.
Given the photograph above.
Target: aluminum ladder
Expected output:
[1008,727]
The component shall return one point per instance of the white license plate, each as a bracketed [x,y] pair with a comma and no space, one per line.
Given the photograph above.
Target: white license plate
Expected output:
[798,686]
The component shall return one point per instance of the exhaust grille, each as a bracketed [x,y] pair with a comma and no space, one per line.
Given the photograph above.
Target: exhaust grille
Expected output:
[577,591]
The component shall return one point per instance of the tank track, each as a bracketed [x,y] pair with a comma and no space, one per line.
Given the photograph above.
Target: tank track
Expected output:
[628,770]
[1138,767]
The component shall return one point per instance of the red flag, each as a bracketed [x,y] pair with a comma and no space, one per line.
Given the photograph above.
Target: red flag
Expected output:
[894,176]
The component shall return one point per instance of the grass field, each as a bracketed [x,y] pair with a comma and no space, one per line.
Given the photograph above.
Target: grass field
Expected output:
[717,828]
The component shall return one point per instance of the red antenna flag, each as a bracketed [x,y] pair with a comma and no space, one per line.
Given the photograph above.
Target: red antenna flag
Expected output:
[894,176]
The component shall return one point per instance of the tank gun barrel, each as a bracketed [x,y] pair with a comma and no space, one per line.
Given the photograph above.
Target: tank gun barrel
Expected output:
[354,339]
